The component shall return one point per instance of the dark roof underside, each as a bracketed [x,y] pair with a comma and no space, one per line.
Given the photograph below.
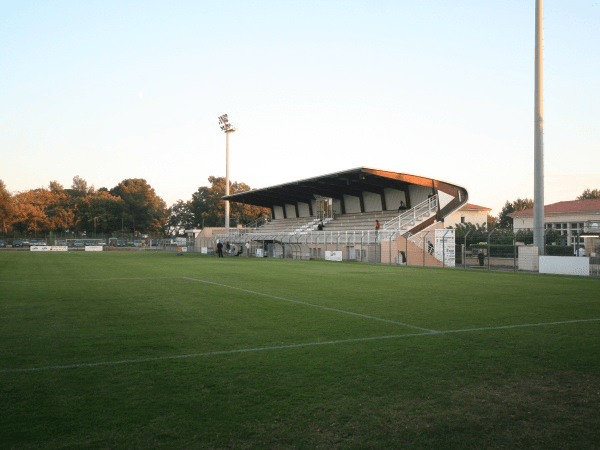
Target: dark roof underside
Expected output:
[336,185]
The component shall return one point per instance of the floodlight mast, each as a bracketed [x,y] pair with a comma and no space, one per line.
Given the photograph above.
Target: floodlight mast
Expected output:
[227,128]
[538,134]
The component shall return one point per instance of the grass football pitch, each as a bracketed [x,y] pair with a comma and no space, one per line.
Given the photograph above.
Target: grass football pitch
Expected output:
[151,350]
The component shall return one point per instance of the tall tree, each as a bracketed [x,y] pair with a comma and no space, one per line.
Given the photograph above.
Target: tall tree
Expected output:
[30,209]
[208,208]
[589,194]
[99,212]
[79,186]
[504,220]
[7,208]
[180,217]
[144,210]
[59,209]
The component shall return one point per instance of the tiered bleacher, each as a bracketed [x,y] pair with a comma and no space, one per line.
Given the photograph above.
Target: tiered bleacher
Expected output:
[339,211]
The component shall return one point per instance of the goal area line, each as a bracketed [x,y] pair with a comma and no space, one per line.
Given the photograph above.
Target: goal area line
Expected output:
[291,346]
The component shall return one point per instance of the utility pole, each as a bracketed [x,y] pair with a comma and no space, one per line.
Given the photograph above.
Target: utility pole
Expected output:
[538,134]
[227,128]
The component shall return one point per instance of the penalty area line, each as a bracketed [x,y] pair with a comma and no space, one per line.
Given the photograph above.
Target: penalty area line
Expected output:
[364,316]
[290,346]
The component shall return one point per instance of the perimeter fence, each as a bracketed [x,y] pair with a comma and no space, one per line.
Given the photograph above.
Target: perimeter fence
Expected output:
[497,250]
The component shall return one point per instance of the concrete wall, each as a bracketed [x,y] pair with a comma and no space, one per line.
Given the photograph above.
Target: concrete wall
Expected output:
[352,204]
[418,194]
[372,201]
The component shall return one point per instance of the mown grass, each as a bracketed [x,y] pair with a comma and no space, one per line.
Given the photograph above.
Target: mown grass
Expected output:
[321,370]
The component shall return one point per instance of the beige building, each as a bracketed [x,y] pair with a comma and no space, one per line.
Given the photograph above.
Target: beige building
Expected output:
[578,220]
[469,213]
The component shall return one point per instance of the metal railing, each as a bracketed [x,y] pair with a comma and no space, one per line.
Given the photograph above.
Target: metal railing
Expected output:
[258,222]
[410,217]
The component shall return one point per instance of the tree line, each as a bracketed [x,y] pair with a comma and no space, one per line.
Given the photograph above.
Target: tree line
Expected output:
[131,207]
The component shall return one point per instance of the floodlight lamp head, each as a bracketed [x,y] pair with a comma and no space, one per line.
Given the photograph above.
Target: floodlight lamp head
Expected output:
[225,125]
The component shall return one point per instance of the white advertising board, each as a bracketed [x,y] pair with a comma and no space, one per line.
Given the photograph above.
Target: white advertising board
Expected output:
[204,250]
[49,248]
[445,246]
[333,255]
[565,265]
[93,248]
[260,253]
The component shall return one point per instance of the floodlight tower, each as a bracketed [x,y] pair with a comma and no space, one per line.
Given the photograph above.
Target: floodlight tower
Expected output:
[227,128]
[538,134]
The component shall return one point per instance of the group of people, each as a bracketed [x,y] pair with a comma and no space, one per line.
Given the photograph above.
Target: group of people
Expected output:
[232,249]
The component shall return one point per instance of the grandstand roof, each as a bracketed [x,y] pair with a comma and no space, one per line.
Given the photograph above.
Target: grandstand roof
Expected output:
[564,207]
[335,185]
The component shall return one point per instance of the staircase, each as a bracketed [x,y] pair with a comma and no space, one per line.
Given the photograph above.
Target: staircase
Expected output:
[311,226]
[408,220]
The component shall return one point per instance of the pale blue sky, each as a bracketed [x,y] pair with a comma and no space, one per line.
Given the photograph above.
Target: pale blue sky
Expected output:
[109,90]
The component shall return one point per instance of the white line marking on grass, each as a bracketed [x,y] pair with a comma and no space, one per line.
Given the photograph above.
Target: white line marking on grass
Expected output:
[90,279]
[198,355]
[290,346]
[525,325]
[311,304]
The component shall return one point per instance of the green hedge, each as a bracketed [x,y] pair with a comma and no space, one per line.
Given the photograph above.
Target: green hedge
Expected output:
[496,250]
[559,250]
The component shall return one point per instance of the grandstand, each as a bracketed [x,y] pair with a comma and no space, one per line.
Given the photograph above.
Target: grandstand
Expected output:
[338,211]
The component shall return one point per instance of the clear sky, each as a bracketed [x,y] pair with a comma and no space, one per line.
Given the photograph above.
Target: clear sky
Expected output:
[109,90]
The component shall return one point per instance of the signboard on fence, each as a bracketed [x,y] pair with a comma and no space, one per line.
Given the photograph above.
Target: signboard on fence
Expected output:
[565,265]
[260,253]
[93,248]
[49,248]
[333,255]
[445,246]
[204,250]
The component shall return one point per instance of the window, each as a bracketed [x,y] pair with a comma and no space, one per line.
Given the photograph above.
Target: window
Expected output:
[462,219]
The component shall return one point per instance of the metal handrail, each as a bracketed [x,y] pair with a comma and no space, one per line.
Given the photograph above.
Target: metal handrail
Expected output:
[413,214]
[345,236]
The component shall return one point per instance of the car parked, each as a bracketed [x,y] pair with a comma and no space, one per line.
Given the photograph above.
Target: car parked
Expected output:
[137,243]
[17,243]
[79,244]
[2,243]
[89,243]
[62,243]
[121,244]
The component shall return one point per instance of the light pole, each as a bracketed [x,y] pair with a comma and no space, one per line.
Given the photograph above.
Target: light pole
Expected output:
[538,134]
[227,128]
